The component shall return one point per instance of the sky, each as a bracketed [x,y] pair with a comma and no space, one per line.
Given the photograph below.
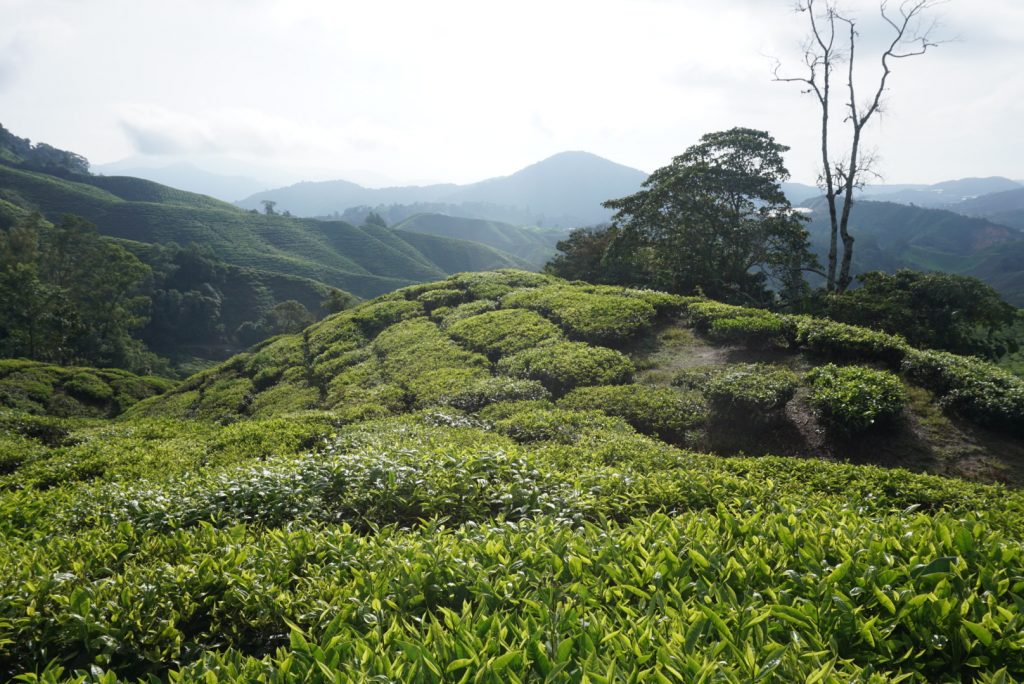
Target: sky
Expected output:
[395,91]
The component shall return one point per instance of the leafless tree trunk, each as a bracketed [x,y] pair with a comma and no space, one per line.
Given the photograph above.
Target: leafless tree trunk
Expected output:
[832,41]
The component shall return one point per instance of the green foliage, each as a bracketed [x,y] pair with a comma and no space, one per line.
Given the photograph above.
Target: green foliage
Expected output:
[658,411]
[558,425]
[375,317]
[727,324]
[750,391]
[843,342]
[504,332]
[491,390]
[64,391]
[852,399]
[715,220]
[563,366]
[956,313]
[69,296]
[597,318]
[581,256]
[970,387]
[551,555]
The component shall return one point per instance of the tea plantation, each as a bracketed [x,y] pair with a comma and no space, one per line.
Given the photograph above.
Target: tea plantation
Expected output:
[505,477]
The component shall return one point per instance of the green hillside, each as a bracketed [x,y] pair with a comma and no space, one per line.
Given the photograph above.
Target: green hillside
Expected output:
[363,261]
[506,477]
[534,246]
[892,236]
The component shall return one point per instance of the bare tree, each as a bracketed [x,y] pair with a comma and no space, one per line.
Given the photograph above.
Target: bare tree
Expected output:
[832,42]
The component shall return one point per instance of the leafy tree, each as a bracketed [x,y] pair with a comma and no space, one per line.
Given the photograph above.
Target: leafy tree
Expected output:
[581,255]
[290,316]
[337,300]
[268,207]
[374,219]
[714,220]
[955,313]
[69,295]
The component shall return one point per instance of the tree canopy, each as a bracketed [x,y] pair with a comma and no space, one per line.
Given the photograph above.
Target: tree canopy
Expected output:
[715,220]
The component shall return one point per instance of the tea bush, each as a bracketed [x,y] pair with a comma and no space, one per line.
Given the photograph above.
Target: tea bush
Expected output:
[971,387]
[41,388]
[843,342]
[503,332]
[600,319]
[563,366]
[486,391]
[750,391]
[851,399]
[659,411]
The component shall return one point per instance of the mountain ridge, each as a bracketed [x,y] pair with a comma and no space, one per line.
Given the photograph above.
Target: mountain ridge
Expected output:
[563,190]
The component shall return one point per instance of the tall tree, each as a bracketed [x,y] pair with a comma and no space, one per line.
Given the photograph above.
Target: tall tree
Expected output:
[832,42]
[713,220]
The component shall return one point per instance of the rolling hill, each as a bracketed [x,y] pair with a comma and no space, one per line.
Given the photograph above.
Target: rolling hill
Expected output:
[890,236]
[506,477]
[562,191]
[365,261]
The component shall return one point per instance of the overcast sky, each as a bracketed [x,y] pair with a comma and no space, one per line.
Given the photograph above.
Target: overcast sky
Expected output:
[463,90]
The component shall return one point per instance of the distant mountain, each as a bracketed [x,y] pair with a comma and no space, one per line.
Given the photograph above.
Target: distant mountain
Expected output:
[535,246]
[188,177]
[562,191]
[1001,207]
[890,236]
[939,195]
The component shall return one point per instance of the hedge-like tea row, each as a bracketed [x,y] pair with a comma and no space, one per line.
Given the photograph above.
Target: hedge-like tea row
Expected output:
[971,387]
[750,391]
[597,318]
[41,388]
[563,366]
[504,332]
[658,411]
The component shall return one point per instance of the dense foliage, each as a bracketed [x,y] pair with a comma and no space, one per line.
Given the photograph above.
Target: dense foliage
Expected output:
[715,220]
[853,399]
[392,495]
[955,313]
[69,296]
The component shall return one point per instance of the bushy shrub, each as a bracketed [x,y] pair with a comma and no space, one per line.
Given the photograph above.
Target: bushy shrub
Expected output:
[971,387]
[486,391]
[558,425]
[495,284]
[503,409]
[434,299]
[87,387]
[417,356]
[563,366]
[728,324]
[844,342]
[374,317]
[663,302]
[600,319]
[765,330]
[446,316]
[503,332]
[750,391]
[852,399]
[658,411]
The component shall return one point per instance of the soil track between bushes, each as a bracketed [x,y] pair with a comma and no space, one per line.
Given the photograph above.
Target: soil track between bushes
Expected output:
[924,439]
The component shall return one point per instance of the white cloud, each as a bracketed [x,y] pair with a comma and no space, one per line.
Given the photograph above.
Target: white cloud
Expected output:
[461,89]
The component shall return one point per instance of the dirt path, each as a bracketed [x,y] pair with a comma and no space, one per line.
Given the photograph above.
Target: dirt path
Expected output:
[925,439]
